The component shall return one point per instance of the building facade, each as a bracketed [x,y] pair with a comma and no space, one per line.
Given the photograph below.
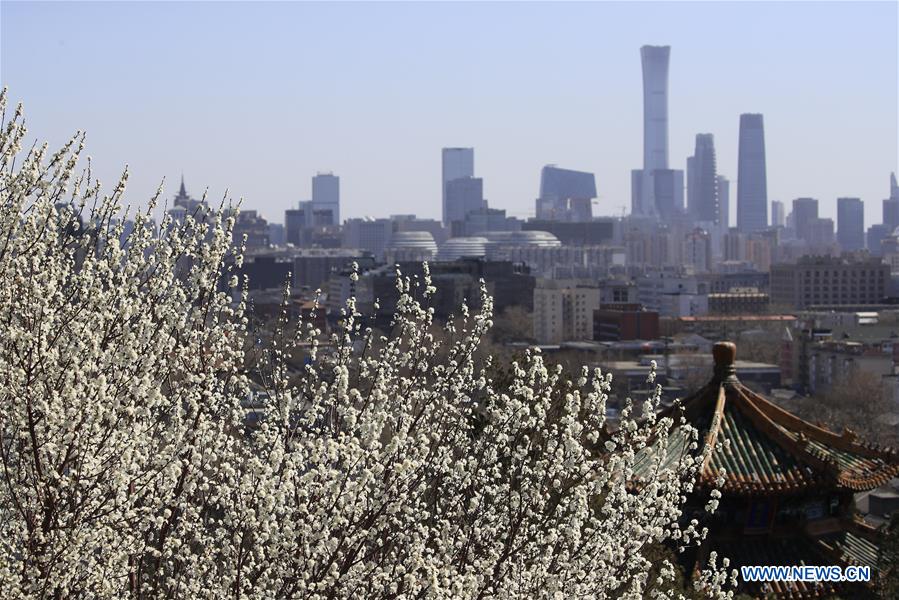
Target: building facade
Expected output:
[850,223]
[457,163]
[829,281]
[752,182]
[563,310]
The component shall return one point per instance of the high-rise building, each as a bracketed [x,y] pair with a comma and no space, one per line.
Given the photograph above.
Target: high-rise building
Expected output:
[565,195]
[752,183]
[724,201]
[850,223]
[702,202]
[668,193]
[805,212]
[369,234]
[326,196]
[463,195]
[894,187]
[457,163]
[778,215]
[655,127]
[891,213]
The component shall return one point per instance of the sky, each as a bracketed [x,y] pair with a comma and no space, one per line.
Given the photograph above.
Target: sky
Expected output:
[255,98]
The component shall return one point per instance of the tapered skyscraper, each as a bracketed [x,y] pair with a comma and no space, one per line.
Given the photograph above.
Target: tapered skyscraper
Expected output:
[752,184]
[655,128]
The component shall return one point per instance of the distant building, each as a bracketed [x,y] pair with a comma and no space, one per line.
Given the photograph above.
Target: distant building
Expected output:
[486,219]
[312,268]
[778,216]
[457,163]
[724,201]
[655,129]
[368,234]
[563,310]
[850,223]
[739,301]
[703,200]
[805,212]
[250,224]
[752,183]
[326,198]
[276,234]
[829,281]
[591,233]
[463,195]
[565,195]
[874,239]
[698,250]
[668,193]
[821,233]
[456,282]
[891,213]
[622,322]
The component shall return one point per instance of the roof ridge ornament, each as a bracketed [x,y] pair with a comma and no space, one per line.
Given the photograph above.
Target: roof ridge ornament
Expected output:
[725,354]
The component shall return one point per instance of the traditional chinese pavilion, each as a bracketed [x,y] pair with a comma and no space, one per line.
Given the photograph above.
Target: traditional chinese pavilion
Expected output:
[787,497]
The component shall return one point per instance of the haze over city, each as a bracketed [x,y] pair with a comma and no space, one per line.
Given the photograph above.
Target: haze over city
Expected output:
[259,97]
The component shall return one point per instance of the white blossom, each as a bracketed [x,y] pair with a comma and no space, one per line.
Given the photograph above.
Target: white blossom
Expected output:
[388,467]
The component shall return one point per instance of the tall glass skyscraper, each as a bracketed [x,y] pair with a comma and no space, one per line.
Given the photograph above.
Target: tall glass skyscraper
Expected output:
[457,163]
[752,183]
[655,128]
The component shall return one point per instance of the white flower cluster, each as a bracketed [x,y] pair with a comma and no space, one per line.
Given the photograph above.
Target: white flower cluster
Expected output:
[393,467]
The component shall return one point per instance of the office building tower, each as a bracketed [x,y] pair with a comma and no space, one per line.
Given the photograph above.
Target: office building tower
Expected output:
[326,196]
[565,195]
[724,201]
[463,195]
[778,215]
[850,223]
[702,202]
[894,187]
[876,235]
[752,185]
[805,212]
[457,163]
[369,234]
[821,233]
[668,193]
[655,127]
[891,213]
[691,185]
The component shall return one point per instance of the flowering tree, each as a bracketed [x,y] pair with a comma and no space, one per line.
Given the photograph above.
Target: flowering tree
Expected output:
[391,466]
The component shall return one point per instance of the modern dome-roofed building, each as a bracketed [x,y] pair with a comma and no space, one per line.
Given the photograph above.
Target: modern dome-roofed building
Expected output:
[788,485]
[411,246]
[462,247]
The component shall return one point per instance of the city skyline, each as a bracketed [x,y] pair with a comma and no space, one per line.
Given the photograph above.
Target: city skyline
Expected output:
[146,106]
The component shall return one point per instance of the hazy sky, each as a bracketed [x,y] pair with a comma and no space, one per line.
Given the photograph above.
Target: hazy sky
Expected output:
[258,97]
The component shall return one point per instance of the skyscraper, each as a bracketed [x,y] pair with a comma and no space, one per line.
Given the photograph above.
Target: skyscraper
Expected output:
[463,195]
[724,201]
[805,213]
[703,200]
[457,163]
[565,195]
[891,213]
[778,214]
[752,185]
[655,127]
[326,196]
[894,187]
[850,223]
